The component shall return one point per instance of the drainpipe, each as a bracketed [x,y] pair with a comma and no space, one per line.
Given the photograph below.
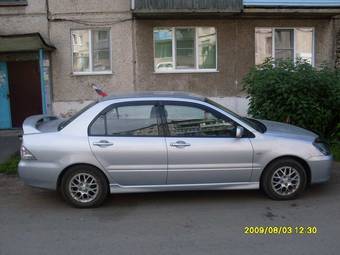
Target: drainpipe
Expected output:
[42,81]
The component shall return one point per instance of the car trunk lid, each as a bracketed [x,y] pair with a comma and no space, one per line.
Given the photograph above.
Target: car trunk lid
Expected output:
[41,124]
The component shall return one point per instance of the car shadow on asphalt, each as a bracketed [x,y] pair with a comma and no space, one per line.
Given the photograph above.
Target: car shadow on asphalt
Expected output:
[183,197]
[52,199]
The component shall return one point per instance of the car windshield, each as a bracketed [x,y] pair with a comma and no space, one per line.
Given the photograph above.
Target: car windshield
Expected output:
[255,124]
[69,120]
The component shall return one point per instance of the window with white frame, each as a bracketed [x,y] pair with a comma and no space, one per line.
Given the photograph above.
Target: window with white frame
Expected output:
[284,43]
[183,49]
[91,51]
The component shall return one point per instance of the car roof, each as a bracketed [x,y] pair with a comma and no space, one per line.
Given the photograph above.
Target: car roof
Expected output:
[155,94]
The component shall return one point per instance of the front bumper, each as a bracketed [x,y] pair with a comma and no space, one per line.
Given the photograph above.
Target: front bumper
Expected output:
[39,174]
[321,168]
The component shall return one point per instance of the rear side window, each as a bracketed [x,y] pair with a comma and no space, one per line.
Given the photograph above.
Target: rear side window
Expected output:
[127,120]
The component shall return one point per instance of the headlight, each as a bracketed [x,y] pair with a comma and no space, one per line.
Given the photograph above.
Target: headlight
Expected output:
[322,147]
[26,154]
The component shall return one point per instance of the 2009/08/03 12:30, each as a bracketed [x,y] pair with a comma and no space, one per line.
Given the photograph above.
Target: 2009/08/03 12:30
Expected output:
[278,230]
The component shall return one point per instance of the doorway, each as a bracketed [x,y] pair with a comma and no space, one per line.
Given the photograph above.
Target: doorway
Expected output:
[23,92]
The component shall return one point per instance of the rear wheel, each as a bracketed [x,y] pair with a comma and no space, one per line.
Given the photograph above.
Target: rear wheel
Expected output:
[284,179]
[84,186]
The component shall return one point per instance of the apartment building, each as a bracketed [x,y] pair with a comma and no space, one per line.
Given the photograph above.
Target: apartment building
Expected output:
[52,51]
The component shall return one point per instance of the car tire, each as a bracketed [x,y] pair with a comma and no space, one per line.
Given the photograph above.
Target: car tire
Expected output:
[284,179]
[84,186]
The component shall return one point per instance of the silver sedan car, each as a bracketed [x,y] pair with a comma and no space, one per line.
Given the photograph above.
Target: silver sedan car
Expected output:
[166,141]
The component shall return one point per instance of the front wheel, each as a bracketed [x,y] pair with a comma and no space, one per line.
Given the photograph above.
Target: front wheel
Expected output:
[284,179]
[84,186]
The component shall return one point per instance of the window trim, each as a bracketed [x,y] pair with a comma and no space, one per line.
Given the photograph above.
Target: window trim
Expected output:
[161,130]
[294,34]
[188,70]
[90,30]
[247,133]
[161,119]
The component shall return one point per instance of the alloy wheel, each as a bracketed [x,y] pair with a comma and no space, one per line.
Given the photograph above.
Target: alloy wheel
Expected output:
[83,187]
[285,180]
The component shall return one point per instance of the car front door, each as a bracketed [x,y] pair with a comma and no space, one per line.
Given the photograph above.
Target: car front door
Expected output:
[202,146]
[127,140]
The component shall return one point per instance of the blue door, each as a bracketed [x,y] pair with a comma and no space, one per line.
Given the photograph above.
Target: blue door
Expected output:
[5,110]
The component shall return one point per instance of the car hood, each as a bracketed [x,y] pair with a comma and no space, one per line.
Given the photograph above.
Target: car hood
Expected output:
[287,130]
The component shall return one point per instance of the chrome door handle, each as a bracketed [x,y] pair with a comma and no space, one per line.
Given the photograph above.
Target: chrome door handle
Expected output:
[102,143]
[180,144]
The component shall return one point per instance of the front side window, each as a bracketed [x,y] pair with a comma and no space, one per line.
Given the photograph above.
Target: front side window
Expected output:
[284,43]
[134,120]
[183,49]
[190,121]
[91,51]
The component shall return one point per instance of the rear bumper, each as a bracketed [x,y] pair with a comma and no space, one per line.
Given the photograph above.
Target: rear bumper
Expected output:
[39,174]
[321,168]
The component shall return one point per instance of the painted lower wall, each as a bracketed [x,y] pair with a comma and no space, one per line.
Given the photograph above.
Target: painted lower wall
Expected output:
[236,104]
[67,109]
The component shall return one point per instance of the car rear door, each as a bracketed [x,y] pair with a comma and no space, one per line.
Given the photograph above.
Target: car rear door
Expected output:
[202,146]
[127,140]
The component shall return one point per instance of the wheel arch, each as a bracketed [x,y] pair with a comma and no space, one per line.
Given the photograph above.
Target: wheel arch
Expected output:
[298,159]
[63,172]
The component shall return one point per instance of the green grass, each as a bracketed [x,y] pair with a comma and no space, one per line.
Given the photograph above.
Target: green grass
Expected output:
[11,165]
[336,151]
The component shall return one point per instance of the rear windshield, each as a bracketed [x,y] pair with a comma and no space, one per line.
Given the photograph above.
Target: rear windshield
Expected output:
[69,120]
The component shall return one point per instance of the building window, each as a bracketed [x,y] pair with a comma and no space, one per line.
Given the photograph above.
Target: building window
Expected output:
[287,43]
[185,49]
[91,51]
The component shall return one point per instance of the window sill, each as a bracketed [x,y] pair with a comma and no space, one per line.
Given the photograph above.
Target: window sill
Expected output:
[187,71]
[91,73]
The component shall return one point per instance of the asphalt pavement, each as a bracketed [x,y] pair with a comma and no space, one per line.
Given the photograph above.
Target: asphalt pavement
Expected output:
[34,221]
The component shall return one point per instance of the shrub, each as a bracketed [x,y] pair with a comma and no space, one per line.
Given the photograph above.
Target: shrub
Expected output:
[336,134]
[336,151]
[298,93]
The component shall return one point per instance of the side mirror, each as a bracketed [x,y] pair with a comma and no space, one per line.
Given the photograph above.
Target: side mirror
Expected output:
[239,132]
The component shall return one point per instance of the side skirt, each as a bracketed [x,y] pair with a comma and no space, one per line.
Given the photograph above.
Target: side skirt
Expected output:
[115,188]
